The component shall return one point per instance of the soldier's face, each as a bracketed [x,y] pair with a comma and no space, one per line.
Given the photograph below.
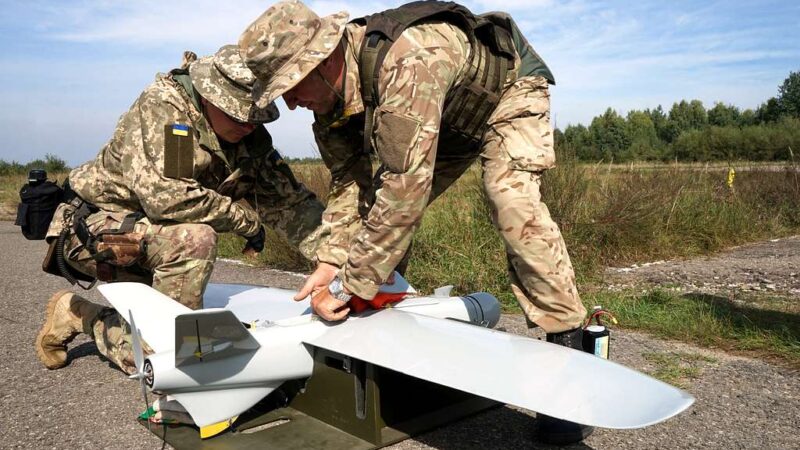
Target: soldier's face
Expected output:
[317,91]
[226,128]
[311,93]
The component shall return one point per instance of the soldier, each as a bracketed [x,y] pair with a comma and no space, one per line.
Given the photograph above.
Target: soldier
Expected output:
[189,160]
[431,88]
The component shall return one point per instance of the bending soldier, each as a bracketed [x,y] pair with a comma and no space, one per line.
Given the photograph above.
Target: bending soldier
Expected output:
[431,89]
[183,160]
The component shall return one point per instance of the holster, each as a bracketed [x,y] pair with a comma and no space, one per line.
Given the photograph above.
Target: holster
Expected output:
[120,250]
[113,249]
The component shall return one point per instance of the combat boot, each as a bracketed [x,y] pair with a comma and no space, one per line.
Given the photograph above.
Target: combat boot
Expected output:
[556,431]
[68,315]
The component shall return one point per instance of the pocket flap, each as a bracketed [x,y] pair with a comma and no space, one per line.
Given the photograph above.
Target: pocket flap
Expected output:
[22,215]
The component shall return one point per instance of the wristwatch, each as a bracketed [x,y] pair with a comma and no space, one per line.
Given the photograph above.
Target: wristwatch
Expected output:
[337,290]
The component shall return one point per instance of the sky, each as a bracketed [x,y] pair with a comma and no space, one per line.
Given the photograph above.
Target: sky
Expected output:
[69,69]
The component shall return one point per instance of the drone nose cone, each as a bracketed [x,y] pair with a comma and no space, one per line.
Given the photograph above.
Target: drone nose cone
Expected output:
[486,311]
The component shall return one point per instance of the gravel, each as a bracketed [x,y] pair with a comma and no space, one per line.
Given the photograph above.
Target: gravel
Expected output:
[771,267]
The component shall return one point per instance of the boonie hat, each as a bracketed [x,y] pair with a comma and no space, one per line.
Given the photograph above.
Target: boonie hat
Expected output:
[224,80]
[285,44]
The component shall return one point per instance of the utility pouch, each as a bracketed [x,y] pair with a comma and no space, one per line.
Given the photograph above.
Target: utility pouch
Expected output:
[50,264]
[37,206]
[119,250]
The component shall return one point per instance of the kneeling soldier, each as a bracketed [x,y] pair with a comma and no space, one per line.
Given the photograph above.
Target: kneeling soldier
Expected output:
[178,170]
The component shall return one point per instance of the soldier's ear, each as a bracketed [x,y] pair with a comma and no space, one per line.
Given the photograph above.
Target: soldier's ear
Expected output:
[326,63]
[336,57]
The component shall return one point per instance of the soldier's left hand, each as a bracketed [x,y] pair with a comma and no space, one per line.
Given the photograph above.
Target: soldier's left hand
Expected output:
[329,308]
[255,243]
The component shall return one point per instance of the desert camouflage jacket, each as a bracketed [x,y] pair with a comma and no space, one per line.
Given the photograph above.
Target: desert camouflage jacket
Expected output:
[138,171]
[426,61]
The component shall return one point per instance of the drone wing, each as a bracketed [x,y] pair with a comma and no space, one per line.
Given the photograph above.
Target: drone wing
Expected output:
[546,378]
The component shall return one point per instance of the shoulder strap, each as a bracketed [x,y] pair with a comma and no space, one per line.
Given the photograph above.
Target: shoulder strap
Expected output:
[530,61]
[383,29]
[181,76]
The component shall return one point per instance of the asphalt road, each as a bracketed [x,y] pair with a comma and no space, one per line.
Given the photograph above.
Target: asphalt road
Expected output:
[741,403]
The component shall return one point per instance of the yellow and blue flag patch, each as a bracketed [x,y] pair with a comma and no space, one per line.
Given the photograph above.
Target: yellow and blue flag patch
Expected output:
[180,130]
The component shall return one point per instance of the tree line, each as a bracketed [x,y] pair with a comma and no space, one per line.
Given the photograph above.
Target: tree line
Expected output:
[51,163]
[690,132]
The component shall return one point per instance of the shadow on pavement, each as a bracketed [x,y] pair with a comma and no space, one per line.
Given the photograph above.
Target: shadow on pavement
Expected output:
[501,427]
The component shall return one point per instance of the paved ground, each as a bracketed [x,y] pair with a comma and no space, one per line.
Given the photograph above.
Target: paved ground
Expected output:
[771,267]
[741,403]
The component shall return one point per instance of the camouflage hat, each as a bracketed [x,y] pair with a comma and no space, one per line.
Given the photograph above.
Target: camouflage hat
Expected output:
[227,83]
[285,44]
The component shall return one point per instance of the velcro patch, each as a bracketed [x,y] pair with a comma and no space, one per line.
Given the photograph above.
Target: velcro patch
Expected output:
[395,135]
[178,151]
[180,130]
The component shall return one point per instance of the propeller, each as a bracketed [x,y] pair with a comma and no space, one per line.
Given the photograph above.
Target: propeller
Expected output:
[144,371]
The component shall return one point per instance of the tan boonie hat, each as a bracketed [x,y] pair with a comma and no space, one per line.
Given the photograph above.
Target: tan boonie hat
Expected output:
[227,83]
[285,44]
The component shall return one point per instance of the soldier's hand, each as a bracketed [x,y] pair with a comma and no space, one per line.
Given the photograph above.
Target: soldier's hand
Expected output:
[328,307]
[318,281]
[255,243]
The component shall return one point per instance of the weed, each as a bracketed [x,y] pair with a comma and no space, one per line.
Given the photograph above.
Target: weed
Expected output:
[709,321]
[677,368]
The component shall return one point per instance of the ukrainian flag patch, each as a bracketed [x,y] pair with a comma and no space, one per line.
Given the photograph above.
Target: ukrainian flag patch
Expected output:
[180,130]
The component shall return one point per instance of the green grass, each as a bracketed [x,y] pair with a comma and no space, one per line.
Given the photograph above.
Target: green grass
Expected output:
[769,327]
[677,368]
[277,254]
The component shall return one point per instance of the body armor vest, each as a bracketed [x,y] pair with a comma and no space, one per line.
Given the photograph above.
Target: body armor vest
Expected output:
[494,40]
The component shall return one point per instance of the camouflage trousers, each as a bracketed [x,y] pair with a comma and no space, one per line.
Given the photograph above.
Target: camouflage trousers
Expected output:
[178,262]
[516,150]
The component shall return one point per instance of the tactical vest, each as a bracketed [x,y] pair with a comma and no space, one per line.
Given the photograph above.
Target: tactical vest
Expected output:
[494,39]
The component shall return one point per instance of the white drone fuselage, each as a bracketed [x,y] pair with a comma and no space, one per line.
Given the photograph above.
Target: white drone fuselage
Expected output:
[281,354]
[217,368]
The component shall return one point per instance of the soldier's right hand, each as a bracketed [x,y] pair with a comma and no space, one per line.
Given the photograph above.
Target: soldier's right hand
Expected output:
[320,279]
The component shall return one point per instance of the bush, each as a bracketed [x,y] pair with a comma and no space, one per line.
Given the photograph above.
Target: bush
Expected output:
[609,218]
[768,142]
[51,163]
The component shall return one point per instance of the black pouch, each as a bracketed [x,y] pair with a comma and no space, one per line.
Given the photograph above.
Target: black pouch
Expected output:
[36,208]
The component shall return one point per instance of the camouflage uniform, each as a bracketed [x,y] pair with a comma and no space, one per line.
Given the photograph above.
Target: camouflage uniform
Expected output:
[227,188]
[368,226]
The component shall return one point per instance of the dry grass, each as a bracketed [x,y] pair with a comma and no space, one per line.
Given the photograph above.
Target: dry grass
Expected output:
[315,177]
[9,192]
